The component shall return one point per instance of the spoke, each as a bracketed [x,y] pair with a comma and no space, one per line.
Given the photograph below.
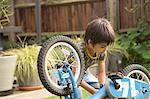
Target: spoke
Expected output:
[56,60]
[142,78]
[72,63]
[138,76]
[61,47]
[56,54]
[51,64]
[70,57]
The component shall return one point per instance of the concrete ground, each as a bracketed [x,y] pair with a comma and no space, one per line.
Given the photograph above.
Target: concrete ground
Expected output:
[36,94]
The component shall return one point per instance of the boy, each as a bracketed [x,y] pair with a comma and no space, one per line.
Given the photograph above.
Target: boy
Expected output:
[99,34]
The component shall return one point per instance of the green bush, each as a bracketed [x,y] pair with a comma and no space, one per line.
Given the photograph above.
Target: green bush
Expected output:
[137,44]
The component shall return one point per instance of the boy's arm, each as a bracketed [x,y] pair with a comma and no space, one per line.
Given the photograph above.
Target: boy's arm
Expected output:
[88,87]
[101,72]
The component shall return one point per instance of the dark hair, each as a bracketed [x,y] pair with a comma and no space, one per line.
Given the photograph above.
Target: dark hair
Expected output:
[99,31]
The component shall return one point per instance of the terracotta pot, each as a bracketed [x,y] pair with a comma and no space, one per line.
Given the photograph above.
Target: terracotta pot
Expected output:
[30,88]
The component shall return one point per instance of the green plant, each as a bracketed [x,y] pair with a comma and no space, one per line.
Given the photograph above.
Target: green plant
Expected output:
[4,12]
[118,49]
[137,44]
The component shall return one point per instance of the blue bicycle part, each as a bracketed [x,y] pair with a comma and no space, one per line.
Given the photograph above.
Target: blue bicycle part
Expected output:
[99,94]
[129,88]
[66,78]
[115,87]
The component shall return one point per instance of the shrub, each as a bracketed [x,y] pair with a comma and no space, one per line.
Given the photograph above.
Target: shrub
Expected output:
[137,44]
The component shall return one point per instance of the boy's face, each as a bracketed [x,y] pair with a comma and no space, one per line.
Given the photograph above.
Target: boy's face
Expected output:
[99,47]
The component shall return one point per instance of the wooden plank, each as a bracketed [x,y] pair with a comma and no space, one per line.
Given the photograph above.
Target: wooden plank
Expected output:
[126,30]
[125,15]
[76,18]
[85,14]
[11,29]
[69,11]
[111,11]
[32,4]
[117,15]
[29,34]
[134,18]
[88,14]
[103,7]
[66,18]
[147,11]
[61,17]
[54,19]
[130,13]
[79,16]
[114,17]
[72,15]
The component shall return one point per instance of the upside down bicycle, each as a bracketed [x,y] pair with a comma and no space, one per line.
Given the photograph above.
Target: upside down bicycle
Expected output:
[61,70]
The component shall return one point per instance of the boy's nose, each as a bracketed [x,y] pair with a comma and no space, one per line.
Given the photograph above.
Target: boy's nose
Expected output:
[104,49]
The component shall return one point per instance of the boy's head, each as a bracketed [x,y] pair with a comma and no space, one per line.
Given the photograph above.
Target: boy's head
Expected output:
[99,31]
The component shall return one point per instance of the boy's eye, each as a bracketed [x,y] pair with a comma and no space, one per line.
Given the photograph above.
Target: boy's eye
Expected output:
[103,47]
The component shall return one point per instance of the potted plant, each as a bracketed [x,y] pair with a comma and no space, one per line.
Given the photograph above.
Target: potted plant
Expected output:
[7,71]
[26,70]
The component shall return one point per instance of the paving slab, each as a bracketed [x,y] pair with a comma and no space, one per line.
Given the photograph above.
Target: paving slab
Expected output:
[36,94]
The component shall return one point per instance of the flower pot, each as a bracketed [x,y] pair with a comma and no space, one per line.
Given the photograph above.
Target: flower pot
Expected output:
[7,70]
[30,84]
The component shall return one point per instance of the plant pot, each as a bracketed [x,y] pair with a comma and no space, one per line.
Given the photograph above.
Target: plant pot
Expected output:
[30,88]
[30,84]
[7,70]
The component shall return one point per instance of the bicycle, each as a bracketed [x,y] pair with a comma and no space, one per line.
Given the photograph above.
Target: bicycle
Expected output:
[61,69]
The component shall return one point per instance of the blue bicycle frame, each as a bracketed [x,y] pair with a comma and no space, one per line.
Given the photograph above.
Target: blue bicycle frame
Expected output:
[69,77]
[129,87]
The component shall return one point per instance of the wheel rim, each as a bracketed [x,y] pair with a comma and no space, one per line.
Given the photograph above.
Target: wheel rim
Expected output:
[59,52]
[137,74]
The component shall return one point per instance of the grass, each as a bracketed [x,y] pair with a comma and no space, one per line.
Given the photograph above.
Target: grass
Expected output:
[85,94]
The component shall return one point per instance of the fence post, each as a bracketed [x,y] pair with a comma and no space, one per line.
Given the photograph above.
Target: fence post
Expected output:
[12,36]
[112,7]
[38,20]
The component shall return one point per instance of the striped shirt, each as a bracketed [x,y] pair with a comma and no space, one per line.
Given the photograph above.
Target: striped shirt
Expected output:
[88,60]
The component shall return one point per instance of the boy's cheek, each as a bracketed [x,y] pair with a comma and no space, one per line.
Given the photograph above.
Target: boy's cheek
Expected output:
[100,50]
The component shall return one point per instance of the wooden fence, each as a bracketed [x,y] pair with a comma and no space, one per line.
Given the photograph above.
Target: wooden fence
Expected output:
[132,11]
[73,16]
[61,17]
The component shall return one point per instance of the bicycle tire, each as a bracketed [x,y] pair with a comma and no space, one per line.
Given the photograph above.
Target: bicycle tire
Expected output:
[41,59]
[136,67]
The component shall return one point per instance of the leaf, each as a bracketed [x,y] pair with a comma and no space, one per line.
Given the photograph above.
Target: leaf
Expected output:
[146,55]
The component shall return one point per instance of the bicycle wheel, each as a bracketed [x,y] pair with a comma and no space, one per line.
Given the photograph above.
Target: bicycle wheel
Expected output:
[57,50]
[137,71]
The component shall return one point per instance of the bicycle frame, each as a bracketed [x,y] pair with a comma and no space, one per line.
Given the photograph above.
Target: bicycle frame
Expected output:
[74,87]
[129,87]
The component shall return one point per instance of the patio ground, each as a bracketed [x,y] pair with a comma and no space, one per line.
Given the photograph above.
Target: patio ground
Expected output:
[36,94]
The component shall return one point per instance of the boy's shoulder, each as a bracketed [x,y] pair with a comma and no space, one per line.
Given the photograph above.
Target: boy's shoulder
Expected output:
[81,45]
